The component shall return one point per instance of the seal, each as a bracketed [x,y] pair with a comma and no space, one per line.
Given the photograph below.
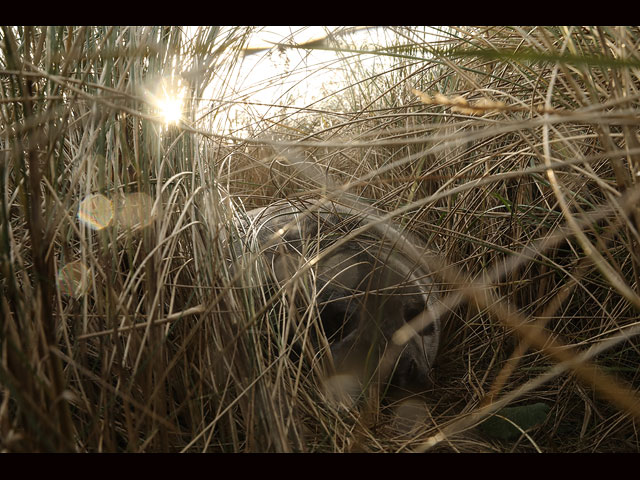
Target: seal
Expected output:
[358,272]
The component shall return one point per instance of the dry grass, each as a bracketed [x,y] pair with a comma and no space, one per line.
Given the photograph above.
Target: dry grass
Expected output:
[512,151]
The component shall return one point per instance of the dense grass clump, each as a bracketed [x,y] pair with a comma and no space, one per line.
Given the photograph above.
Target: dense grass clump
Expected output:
[512,151]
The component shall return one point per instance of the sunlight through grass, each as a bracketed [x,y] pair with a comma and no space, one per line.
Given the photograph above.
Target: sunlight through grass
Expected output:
[167,99]
[512,151]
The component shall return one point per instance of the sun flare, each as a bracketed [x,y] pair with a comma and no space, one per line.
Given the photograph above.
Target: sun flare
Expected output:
[170,108]
[167,101]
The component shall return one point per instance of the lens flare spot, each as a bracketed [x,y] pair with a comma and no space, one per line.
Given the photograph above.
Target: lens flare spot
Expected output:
[135,211]
[96,211]
[74,279]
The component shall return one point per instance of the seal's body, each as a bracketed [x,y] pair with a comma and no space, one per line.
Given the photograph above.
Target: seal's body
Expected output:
[365,285]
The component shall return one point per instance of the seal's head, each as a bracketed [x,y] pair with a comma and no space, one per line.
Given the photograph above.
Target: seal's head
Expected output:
[365,300]
[366,288]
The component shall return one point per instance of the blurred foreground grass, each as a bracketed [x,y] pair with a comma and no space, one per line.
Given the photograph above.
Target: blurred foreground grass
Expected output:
[512,150]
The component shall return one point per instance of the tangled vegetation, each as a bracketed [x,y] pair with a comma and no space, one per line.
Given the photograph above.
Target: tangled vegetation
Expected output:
[512,151]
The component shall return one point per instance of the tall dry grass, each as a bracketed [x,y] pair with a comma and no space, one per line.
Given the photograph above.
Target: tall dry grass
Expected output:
[511,150]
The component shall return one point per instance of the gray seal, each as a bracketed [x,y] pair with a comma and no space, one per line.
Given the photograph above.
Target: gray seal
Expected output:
[365,283]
